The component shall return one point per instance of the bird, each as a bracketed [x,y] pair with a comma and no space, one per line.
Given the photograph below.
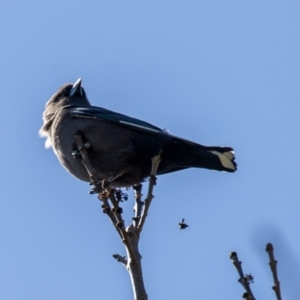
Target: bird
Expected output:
[120,146]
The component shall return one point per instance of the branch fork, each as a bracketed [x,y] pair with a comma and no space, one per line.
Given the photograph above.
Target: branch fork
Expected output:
[110,205]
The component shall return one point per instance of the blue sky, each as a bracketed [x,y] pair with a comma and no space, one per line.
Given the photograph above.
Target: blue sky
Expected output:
[216,72]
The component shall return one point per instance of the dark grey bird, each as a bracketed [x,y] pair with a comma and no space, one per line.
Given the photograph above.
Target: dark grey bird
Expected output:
[121,147]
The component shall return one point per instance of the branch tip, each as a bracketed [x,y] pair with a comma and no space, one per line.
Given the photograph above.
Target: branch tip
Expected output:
[273,267]
[244,280]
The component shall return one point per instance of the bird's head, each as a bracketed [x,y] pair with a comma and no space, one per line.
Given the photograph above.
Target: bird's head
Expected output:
[68,94]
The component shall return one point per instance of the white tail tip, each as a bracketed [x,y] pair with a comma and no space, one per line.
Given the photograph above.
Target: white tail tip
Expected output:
[226,159]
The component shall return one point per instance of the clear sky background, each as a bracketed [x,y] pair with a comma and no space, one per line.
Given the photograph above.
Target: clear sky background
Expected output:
[216,72]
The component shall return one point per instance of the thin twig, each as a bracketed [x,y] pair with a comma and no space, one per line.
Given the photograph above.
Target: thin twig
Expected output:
[120,221]
[107,210]
[82,148]
[138,206]
[115,203]
[152,181]
[242,280]
[273,266]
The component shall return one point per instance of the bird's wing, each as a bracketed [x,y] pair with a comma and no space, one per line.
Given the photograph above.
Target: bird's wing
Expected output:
[99,113]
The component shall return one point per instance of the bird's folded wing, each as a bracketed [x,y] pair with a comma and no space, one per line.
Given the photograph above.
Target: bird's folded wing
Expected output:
[99,113]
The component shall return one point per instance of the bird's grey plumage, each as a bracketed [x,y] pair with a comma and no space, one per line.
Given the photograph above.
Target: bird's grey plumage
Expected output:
[121,146]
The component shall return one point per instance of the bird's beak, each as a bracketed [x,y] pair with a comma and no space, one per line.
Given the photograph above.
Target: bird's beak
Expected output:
[76,88]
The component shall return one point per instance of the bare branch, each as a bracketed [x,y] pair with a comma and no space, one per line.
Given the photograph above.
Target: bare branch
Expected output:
[117,215]
[152,181]
[116,209]
[110,205]
[273,266]
[243,279]
[138,206]
[82,148]
[106,208]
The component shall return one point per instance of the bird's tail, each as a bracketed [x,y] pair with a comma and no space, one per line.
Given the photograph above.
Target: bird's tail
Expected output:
[216,158]
[180,154]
